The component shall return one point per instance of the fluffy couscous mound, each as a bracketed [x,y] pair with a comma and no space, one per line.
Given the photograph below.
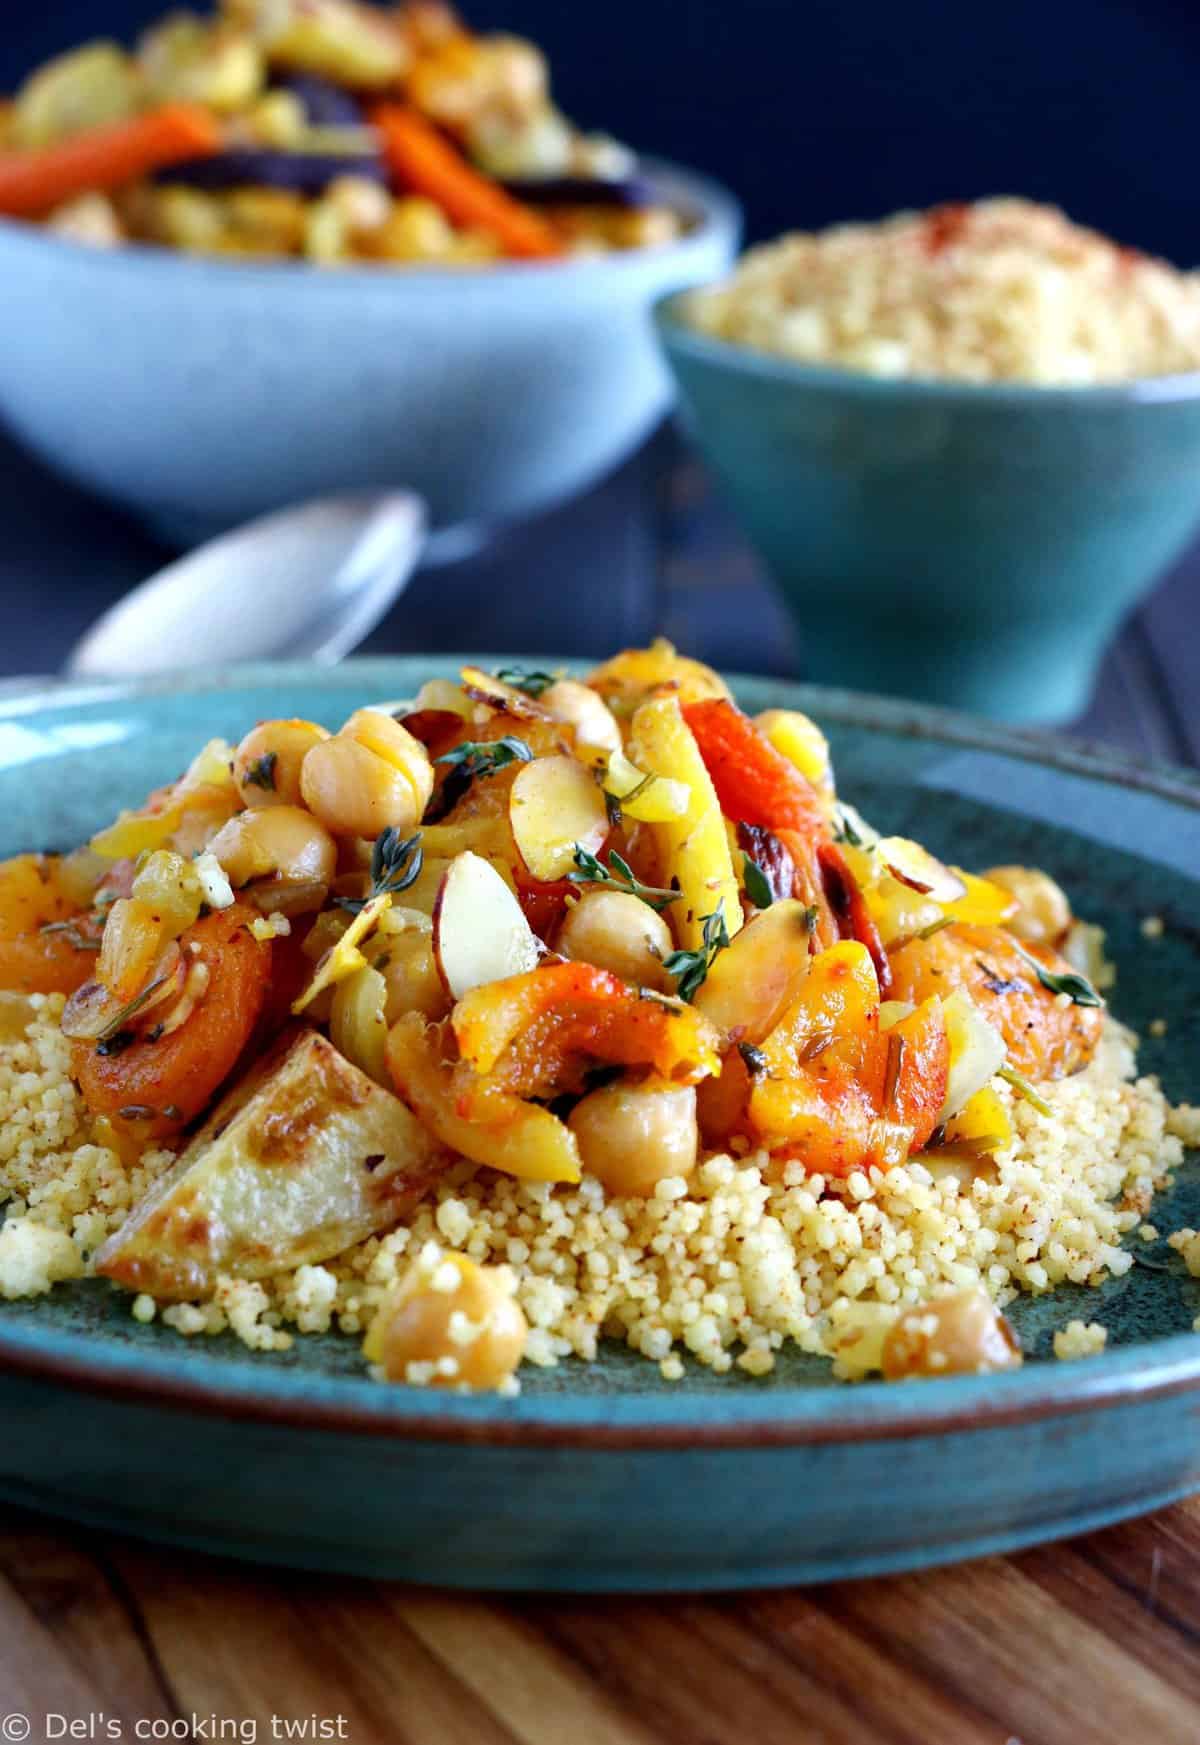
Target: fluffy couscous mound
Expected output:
[1002,290]
[727,1266]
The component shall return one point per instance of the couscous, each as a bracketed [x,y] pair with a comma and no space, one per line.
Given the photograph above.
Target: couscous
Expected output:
[999,291]
[531,1013]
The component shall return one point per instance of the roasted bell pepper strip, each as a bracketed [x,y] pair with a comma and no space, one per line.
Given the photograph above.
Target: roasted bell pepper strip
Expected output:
[421,160]
[538,1033]
[850,910]
[32,183]
[755,783]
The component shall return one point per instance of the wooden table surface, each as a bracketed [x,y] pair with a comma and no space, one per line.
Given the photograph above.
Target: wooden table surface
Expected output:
[1096,1639]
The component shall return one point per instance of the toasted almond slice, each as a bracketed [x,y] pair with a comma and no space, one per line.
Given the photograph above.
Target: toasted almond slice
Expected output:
[480,933]
[921,871]
[555,807]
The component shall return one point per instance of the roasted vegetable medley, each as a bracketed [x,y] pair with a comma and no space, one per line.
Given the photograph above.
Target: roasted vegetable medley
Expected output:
[326,129]
[536,926]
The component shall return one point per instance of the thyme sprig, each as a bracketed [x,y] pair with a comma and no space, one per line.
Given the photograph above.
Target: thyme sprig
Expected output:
[522,679]
[396,863]
[466,762]
[71,934]
[620,876]
[483,757]
[117,1026]
[1076,987]
[690,968]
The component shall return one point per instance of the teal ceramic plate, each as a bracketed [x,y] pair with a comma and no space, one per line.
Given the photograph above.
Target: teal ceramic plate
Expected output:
[603,1476]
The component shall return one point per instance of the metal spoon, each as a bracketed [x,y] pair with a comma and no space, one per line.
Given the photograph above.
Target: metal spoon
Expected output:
[304,583]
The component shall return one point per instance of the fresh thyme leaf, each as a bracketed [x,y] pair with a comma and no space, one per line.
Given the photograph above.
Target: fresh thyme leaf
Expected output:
[758,887]
[71,934]
[1076,987]
[483,757]
[532,683]
[691,967]
[396,863]
[1024,1089]
[845,831]
[754,1058]
[261,773]
[620,875]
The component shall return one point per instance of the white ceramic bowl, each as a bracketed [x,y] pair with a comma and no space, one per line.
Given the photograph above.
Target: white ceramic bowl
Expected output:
[199,393]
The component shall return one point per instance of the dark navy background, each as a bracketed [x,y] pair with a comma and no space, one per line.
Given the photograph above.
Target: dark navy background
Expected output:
[820,110]
[812,111]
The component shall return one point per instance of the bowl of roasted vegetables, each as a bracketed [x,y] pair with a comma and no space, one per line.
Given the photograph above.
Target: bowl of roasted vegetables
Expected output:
[486,1080]
[281,142]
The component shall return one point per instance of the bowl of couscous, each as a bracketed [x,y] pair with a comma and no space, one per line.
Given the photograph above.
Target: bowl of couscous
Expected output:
[286,249]
[508,1118]
[965,441]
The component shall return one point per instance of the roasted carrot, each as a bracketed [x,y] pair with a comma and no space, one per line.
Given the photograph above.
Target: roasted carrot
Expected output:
[32,183]
[164,1083]
[420,159]
[755,783]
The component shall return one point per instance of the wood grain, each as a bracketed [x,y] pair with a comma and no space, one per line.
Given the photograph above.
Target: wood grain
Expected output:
[1095,1639]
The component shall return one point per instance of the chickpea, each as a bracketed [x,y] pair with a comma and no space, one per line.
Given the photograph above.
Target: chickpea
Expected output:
[370,775]
[634,1136]
[1044,913]
[411,976]
[617,931]
[266,765]
[963,1334]
[283,843]
[449,1323]
[578,706]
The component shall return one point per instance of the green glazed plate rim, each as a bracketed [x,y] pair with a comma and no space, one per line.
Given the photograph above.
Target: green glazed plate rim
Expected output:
[271,1393]
[679,336]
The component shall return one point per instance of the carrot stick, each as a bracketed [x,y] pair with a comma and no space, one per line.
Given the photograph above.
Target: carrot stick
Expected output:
[32,183]
[420,159]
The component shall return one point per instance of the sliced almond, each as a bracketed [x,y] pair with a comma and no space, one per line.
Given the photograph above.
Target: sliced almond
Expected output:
[480,933]
[921,871]
[555,806]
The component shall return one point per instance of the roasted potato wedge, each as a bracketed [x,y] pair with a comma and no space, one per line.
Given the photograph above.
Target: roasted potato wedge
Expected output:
[303,1158]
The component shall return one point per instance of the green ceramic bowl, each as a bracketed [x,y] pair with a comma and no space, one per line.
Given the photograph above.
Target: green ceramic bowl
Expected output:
[603,1476]
[973,545]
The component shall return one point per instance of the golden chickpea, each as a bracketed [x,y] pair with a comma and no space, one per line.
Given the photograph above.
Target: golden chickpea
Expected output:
[617,931]
[411,977]
[1044,913]
[371,775]
[278,842]
[449,1323]
[634,1136]
[963,1334]
[578,706]
[266,765]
